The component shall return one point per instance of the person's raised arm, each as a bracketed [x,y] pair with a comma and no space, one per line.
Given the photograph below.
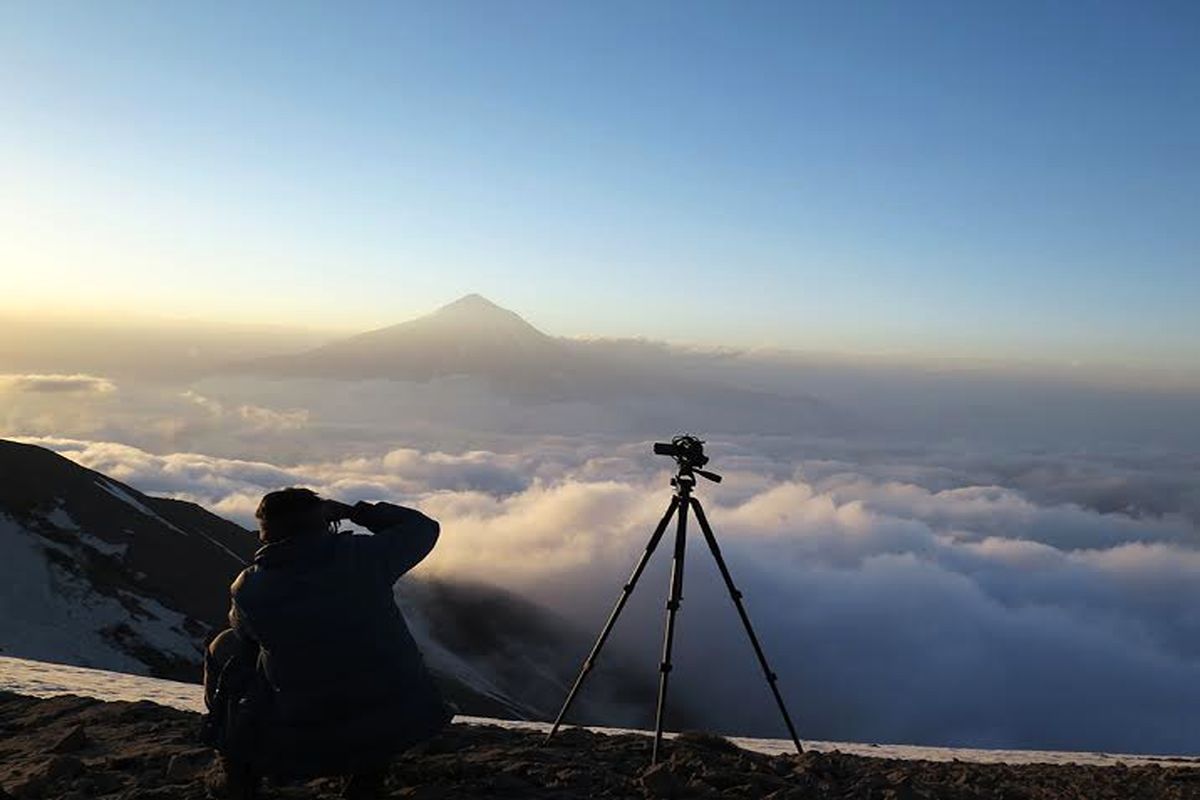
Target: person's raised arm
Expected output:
[402,536]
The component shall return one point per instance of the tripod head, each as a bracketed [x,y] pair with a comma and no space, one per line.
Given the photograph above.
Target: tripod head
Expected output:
[688,452]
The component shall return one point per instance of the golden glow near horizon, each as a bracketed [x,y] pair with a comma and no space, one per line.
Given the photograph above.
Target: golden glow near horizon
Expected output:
[81,331]
[203,183]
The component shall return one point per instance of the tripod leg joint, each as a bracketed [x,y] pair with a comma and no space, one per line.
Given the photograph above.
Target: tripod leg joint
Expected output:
[673,605]
[664,667]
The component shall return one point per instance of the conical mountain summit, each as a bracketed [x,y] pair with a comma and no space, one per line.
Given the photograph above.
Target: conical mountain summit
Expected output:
[474,337]
[469,316]
[470,336]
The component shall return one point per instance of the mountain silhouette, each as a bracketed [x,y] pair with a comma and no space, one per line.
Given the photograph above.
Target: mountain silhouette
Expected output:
[649,387]
[471,336]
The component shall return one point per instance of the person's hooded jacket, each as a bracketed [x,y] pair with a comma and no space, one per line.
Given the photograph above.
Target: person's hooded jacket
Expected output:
[347,686]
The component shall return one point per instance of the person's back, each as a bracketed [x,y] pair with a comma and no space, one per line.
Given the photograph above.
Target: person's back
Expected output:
[348,687]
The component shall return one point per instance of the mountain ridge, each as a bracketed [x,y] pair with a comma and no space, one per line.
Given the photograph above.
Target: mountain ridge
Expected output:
[639,380]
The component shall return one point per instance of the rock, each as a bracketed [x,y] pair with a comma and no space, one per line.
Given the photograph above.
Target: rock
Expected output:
[188,765]
[698,788]
[659,781]
[104,782]
[62,768]
[74,741]
[124,763]
[161,793]
[507,782]
[38,783]
[721,778]
[422,793]
[31,787]
[684,762]
[766,783]
[216,783]
[706,741]
[140,710]
[789,794]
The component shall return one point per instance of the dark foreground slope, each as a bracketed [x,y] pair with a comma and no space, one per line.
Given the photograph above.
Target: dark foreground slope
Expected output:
[71,747]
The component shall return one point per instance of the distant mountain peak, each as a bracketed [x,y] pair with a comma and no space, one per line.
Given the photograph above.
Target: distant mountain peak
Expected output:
[470,336]
[475,308]
[471,302]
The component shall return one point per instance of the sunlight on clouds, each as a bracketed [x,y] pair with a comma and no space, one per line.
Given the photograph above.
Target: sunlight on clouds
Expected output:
[257,418]
[54,383]
[891,610]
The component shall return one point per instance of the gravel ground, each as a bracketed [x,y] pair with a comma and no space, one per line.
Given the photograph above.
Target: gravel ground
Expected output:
[74,747]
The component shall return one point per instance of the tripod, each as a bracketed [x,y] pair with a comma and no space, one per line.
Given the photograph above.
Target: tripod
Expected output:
[684,482]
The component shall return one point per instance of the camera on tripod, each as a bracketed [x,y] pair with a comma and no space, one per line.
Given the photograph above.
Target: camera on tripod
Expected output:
[688,452]
[684,449]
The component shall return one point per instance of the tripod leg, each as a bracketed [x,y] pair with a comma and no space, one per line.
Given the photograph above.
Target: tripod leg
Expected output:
[736,595]
[590,661]
[673,602]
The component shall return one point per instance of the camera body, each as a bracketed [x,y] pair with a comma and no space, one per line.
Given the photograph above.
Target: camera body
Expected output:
[687,450]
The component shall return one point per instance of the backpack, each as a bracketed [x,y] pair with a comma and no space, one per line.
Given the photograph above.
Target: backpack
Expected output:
[237,715]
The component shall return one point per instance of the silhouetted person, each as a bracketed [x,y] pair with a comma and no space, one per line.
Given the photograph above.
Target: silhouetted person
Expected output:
[318,674]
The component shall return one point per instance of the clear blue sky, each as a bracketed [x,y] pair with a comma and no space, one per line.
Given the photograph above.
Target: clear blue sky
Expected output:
[1014,179]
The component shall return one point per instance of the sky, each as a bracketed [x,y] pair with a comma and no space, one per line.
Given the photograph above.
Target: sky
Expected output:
[1014,181]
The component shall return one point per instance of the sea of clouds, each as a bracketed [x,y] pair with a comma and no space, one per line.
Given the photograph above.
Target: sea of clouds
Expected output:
[915,588]
[931,600]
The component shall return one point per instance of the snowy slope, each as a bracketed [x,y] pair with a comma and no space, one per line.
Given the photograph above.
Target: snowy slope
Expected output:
[51,611]
[94,572]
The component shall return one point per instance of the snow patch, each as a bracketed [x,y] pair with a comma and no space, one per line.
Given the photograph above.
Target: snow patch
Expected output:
[60,519]
[102,547]
[63,521]
[222,547]
[126,497]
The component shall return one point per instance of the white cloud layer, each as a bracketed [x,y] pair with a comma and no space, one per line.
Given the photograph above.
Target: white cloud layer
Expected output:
[54,383]
[247,415]
[900,599]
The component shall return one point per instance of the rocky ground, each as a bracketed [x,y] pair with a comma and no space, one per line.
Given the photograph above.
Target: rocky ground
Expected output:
[73,747]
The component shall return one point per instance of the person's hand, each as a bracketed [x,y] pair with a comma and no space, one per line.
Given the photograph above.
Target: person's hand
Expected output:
[335,511]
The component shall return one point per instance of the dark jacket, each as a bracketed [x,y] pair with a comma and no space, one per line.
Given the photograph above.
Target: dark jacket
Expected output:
[347,684]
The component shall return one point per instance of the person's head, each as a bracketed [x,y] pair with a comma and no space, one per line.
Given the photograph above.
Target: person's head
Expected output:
[289,513]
